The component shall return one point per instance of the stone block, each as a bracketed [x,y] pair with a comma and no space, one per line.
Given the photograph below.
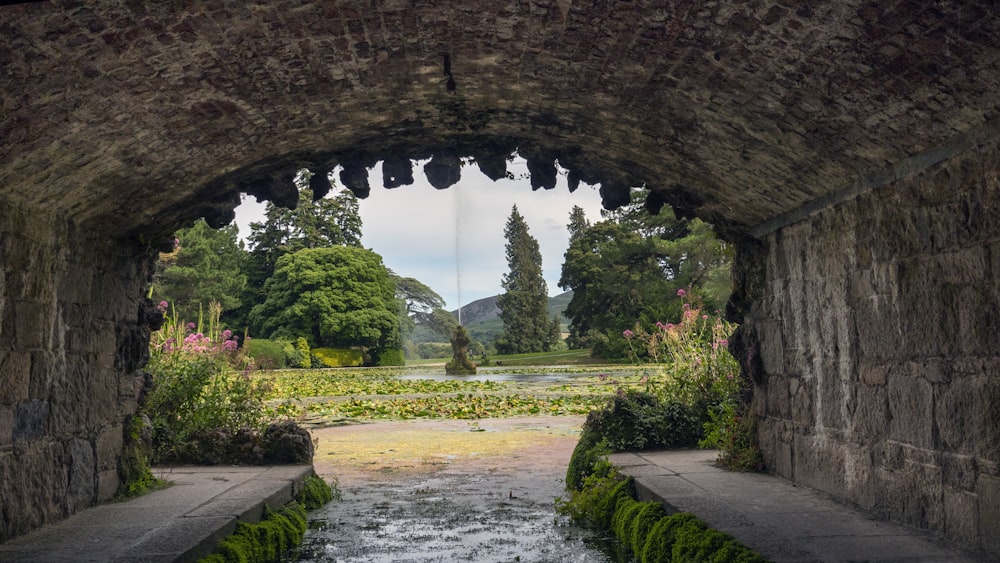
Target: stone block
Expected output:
[988,495]
[108,482]
[46,367]
[961,517]
[15,377]
[802,393]
[33,323]
[772,352]
[75,283]
[911,405]
[819,463]
[778,405]
[870,419]
[82,474]
[872,374]
[955,414]
[6,425]
[29,420]
[986,417]
[108,446]
[921,496]
[959,472]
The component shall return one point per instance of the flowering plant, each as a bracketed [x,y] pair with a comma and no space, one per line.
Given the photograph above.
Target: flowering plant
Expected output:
[196,391]
[699,370]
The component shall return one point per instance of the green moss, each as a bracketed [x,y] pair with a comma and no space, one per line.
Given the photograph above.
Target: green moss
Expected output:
[278,532]
[644,532]
[643,521]
[134,471]
[316,492]
[658,547]
[265,541]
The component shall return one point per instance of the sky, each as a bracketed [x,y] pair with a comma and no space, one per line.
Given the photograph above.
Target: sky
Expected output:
[452,240]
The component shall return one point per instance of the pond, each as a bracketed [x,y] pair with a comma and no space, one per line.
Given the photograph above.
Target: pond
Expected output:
[449,491]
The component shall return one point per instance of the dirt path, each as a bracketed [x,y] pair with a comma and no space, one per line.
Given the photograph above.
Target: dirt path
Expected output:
[448,491]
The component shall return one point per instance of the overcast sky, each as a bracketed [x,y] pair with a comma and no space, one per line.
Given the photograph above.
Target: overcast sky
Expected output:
[452,240]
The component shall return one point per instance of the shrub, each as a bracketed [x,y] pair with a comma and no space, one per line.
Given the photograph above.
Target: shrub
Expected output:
[266,354]
[297,353]
[339,357]
[391,357]
[733,431]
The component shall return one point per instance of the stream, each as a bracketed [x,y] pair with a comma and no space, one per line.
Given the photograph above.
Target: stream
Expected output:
[421,491]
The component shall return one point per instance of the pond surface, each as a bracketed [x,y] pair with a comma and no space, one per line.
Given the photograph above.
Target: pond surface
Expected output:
[422,491]
[504,374]
[446,518]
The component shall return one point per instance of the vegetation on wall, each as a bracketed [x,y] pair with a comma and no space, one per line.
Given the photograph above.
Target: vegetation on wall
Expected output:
[278,533]
[644,531]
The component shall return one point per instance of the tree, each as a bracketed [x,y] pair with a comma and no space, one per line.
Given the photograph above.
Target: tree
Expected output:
[338,297]
[205,268]
[578,223]
[628,268]
[329,221]
[523,305]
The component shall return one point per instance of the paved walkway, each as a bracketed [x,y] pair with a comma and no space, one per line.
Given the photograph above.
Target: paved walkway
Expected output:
[779,520]
[181,523]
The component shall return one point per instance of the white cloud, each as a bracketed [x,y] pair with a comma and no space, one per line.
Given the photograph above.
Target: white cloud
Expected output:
[452,237]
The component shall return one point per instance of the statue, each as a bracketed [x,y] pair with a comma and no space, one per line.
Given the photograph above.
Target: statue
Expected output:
[460,364]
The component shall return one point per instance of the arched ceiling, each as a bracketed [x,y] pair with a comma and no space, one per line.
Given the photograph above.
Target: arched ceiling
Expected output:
[129,116]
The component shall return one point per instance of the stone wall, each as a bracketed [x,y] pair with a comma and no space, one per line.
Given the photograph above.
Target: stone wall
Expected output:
[70,345]
[874,338]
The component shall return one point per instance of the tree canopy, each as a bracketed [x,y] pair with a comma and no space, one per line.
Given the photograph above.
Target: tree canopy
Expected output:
[204,268]
[629,267]
[338,296]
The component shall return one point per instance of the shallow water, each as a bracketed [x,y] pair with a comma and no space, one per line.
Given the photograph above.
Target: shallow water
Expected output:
[450,516]
[499,374]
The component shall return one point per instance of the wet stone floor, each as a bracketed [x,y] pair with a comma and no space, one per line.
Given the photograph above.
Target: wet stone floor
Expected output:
[453,504]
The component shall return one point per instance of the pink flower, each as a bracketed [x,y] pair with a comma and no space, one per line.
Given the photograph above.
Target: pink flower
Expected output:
[227,334]
[704,317]
[670,326]
[190,326]
[723,343]
[628,333]
[162,307]
[229,346]
[681,292]
[686,306]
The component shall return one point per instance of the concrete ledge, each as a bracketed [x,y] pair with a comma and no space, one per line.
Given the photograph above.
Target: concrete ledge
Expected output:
[780,520]
[182,523]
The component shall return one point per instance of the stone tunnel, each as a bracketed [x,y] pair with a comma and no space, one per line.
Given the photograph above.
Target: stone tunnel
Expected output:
[850,150]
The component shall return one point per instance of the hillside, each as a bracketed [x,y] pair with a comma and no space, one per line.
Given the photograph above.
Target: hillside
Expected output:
[482,317]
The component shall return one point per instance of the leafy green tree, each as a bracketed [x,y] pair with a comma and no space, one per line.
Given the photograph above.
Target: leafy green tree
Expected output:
[205,268]
[523,305]
[339,297]
[329,221]
[629,267]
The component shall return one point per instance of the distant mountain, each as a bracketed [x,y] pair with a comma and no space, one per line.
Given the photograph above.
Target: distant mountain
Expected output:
[481,310]
[482,317]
